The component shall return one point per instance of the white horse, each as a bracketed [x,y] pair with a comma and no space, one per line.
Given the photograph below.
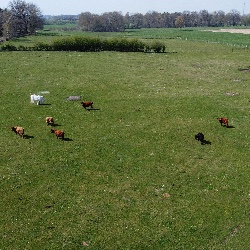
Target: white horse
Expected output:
[37,98]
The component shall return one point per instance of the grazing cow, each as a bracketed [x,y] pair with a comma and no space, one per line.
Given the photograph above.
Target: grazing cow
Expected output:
[87,104]
[50,121]
[58,133]
[18,130]
[223,120]
[38,98]
[199,137]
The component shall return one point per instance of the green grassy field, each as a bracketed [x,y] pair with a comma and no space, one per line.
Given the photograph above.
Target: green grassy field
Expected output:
[52,32]
[130,174]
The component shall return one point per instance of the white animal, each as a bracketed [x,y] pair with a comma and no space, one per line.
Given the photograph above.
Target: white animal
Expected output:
[37,98]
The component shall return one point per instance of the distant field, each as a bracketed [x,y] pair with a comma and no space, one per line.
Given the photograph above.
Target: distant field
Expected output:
[233,37]
[130,174]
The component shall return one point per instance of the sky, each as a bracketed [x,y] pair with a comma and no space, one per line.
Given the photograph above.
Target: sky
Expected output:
[74,7]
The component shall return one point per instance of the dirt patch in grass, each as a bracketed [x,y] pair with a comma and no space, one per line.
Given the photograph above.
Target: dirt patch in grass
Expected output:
[231,93]
[240,31]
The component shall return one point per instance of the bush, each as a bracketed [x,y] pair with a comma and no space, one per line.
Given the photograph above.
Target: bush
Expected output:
[158,47]
[42,47]
[137,45]
[124,45]
[83,44]
[23,48]
[9,47]
[63,44]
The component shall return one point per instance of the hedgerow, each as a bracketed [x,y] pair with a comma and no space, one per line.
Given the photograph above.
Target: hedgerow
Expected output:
[92,44]
[87,44]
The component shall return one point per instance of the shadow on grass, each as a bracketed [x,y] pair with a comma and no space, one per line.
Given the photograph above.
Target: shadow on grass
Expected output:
[92,109]
[28,136]
[225,126]
[55,125]
[67,139]
[205,142]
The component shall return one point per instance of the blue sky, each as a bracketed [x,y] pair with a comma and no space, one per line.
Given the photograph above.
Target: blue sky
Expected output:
[74,7]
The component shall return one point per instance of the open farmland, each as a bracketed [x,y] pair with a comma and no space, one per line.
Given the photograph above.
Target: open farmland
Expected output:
[130,174]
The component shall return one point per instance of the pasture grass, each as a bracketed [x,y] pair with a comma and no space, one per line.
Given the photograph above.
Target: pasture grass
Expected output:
[105,184]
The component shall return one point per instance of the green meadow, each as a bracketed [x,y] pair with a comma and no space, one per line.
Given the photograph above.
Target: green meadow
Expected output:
[130,174]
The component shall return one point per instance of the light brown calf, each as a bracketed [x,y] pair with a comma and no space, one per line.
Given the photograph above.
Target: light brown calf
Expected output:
[50,121]
[18,130]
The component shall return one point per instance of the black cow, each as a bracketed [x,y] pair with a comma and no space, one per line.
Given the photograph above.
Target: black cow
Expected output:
[199,137]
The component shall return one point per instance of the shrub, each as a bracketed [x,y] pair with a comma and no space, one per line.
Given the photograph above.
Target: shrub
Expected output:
[124,45]
[23,48]
[42,46]
[9,47]
[83,44]
[63,44]
[158,47]
[137,45]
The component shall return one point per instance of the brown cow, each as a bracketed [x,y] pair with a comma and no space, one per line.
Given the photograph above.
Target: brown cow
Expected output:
[58,133]
[50,120]
[223,120]
[87,104]
[18,130]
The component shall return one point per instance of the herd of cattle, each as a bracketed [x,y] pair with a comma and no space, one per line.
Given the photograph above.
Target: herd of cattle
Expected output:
[49,121]
[60,134]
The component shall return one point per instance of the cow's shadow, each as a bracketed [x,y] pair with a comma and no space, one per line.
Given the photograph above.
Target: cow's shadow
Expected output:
[92,109]
[230,126]
[55,125]
[205,142]
[67,139]
[28,136]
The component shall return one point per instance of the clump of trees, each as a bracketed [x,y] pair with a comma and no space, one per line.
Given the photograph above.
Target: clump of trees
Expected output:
[20,19]
[107,22]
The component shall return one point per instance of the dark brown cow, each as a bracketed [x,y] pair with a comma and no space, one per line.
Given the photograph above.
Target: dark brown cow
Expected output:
[223,121]
[87,104]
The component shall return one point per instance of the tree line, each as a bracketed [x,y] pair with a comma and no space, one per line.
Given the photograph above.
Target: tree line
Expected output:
[115,21]
[22,19]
